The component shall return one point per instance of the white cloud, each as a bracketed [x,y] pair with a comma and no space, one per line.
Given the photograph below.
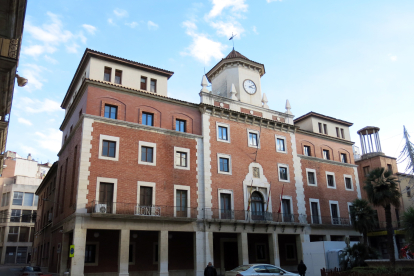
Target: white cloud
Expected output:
[120,13]
[89,28]
[220,5]
[33,73]
[37,106]
[392,57]
[268,1]
[255,30]
[111,22]
[152,25]
[202,48]
[50,140]
[50,35]
[24,121]
[228,28]
[132,24]
[51,60]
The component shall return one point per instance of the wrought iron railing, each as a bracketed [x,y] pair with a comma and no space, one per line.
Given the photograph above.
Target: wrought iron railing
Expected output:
[133,209]
[328,220]
[243,215]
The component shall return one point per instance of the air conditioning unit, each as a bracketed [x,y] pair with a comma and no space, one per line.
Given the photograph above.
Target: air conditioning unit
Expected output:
[49,218]
[100,208]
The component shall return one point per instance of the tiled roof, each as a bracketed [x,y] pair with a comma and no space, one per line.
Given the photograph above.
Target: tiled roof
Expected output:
[322,117]
[235,54]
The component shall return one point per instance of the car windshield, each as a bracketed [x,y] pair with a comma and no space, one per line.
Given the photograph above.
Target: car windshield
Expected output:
[242,268]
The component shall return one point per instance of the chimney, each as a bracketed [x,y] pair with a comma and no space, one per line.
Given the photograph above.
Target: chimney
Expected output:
[29,157]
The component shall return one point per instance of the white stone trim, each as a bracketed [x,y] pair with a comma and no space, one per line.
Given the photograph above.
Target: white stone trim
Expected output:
[186,188]
[300,191]
[205,196]
[112,139]
[228,132]
[145,184]
[319,209]
[225,191]
[154,152]
[107,180]
[352,182]
[222,155]
[185,150]
[307,177]
[284,141]
[84,165]
[357,183]
[96,263]
[334,180]
[330,210]
[258,138]
[288,173]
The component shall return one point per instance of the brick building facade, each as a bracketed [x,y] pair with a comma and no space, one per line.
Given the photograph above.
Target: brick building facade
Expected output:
[149,184]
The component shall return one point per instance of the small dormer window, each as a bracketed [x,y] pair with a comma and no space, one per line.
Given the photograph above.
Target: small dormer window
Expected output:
[107,74]
[153,86]
[342,133]
[143,83]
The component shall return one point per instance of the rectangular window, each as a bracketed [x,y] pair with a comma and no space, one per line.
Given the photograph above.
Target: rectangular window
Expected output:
[181,201]
[90,253]
[389,167]
[147,119]
[153,86]
[224,164]
[147,154]
[145,196]
[287,212]
[13,232]
[28,199]
[334,212]
[325,129]
[222,133]
[326,154]
[106,196]
[320,127]
[27,216]
[408,191]
[108,148]
[311,178]
[118,76]
[181,159]
[283,173]
[18,198]
[281,144]
[306,150]
[315,212]
[342,133]
[348,183]
[225,201]
[253,139]
[366,170]
[15,215]
[343,158]
[24,234]
[180,125]
[36,199]
[337,132]
[110,111]
[143,83]
[331,182]
[34,216]
[107,74]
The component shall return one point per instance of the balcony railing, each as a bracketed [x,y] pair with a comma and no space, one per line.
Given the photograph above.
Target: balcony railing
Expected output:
[328,220]
[252,216]
[139,211]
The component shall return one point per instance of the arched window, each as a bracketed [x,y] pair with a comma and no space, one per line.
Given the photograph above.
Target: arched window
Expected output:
[257,206]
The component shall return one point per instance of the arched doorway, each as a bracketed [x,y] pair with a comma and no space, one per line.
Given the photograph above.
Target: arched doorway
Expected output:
[257,206]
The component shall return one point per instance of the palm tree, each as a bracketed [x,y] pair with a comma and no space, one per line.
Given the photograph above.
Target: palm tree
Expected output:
[382,190]
[363,217]
[408,224]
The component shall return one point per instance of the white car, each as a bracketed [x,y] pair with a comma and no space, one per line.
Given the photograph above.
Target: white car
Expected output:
[258,269]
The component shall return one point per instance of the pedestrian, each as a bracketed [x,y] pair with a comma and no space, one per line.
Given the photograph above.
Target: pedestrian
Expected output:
[210,270]
[301,268]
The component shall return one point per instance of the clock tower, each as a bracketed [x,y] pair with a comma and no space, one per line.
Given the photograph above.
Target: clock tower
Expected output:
[242,73]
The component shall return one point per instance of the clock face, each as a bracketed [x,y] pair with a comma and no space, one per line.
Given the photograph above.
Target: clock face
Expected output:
[249,87]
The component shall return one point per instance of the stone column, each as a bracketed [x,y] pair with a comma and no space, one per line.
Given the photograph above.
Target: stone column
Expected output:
[203,251]
[243,248]
[64,254]
[123,256]
[274,249]
[327,238]
[163,253]
[78,260]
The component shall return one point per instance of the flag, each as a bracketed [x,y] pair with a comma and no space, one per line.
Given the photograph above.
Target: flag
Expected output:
[281,196]
[268,198]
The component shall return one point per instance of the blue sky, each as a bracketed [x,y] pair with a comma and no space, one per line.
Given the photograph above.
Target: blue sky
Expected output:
[352,60]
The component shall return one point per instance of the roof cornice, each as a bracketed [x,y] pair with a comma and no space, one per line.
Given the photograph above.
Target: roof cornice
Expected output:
[235,62]
[326,137]
[314,114]
[327,161]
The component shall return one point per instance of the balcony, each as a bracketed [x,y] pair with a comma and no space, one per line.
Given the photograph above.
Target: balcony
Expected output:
[328,220]
[124,210]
